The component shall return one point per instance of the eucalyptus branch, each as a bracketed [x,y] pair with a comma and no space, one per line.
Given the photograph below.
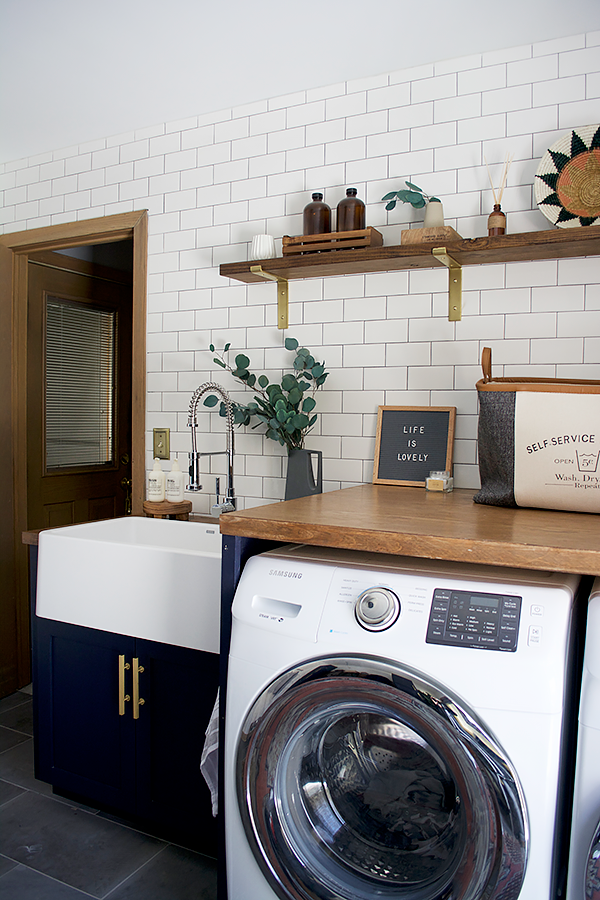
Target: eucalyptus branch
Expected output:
[416,196]
[282,407]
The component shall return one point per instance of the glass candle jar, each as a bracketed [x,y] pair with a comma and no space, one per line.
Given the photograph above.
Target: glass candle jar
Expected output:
[439,481]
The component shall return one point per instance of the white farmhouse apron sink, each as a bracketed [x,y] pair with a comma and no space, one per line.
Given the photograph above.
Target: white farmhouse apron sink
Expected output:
[158,579]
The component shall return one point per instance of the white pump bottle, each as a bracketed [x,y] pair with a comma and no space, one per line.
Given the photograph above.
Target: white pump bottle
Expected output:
[174,484]
[156,483]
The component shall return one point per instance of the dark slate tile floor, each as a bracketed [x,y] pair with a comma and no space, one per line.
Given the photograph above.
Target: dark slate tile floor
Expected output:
[54,849]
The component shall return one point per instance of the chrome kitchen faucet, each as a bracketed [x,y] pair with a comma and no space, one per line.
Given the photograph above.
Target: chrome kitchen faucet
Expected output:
[227,504]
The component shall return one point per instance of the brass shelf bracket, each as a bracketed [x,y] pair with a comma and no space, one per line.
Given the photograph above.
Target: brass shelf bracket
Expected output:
[282,294]
[454,283]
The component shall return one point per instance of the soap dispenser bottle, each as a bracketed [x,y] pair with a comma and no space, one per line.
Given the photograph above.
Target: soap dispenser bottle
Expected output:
[174,484]
[156,483]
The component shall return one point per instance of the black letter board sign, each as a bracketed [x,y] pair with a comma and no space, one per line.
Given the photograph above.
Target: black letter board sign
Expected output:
[411,442]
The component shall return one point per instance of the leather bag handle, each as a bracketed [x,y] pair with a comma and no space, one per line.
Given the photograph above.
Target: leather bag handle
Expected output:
[486,364]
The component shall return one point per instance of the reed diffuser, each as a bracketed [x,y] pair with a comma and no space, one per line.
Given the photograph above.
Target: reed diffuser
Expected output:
[497,219]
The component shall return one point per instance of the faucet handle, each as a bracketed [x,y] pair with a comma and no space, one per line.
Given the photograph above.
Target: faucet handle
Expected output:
[194,473]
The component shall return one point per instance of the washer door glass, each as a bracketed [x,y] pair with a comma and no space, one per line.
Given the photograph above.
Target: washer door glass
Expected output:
[357,778]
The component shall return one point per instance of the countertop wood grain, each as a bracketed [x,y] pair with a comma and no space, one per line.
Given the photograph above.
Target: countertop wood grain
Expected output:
[410,521]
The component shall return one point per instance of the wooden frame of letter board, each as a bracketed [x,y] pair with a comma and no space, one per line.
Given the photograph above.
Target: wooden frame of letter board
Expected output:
[450,410]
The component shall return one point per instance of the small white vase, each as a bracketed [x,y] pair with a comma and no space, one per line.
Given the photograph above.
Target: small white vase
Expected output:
[263,247]
[434,214]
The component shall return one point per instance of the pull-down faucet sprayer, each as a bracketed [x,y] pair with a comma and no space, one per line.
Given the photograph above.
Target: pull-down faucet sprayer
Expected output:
[228,503]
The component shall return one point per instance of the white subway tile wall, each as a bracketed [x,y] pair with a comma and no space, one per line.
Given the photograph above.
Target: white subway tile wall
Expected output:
[211,182]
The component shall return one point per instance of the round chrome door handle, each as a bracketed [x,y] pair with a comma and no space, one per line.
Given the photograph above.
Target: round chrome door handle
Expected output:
[377,608]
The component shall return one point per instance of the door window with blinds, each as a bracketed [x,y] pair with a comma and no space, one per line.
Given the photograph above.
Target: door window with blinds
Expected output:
[79,384]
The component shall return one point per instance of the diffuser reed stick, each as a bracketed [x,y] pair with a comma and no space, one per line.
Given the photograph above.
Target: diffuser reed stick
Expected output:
[507,162]
[497,219]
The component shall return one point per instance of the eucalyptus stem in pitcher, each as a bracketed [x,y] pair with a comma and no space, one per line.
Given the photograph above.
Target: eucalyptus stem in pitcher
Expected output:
[285,408]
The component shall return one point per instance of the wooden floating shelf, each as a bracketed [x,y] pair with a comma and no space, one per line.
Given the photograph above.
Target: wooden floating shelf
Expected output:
[559,243]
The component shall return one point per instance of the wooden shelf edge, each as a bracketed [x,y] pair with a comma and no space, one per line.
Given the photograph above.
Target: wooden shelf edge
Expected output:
[559,243]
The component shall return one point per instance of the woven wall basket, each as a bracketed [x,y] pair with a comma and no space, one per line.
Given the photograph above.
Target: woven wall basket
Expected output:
[567,182]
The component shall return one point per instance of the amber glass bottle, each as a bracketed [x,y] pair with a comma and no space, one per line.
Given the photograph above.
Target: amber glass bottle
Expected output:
[317,216]
[350,212]
[496,221]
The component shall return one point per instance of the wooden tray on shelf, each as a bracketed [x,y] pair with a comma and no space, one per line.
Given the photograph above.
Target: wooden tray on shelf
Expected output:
[337,240]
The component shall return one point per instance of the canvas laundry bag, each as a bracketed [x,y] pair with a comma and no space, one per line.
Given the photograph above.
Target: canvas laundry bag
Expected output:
[539,441]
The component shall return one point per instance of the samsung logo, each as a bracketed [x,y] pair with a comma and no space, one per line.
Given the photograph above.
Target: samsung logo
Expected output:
[284,573]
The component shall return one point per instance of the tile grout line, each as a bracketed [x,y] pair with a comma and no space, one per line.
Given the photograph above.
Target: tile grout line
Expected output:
[5,712]
[49,877]
[6,804]
[79,809]
[135,871]
[15,731]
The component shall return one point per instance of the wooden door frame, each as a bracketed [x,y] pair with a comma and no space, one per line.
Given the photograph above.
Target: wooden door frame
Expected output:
[14,253]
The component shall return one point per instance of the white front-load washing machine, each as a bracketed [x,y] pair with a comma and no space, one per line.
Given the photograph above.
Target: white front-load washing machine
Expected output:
[395,729]
[584,860]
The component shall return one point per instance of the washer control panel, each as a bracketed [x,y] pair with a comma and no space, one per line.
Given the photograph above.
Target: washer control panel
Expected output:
[474,619]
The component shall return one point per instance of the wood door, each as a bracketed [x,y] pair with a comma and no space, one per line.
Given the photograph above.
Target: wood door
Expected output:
[15,250]
[78,470]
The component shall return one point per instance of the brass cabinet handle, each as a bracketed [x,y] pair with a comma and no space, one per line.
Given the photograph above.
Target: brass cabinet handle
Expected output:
[137,700]
[123,697]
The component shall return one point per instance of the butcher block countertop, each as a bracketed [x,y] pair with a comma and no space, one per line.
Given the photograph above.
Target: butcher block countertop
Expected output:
[410,521]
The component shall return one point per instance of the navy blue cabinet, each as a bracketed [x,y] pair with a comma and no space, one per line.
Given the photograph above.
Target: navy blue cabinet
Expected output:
[120,724]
